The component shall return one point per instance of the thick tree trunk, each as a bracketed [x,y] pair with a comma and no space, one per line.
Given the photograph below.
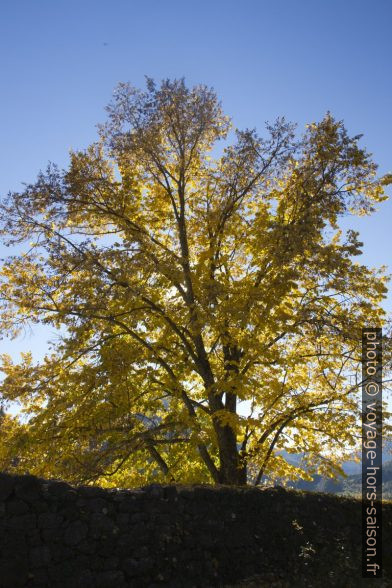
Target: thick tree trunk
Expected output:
[231,471]
[232,468]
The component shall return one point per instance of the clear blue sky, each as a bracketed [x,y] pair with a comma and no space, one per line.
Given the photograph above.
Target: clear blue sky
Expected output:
[60,60]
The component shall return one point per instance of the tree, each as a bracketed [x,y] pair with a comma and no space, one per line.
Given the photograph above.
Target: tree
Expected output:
[185,282]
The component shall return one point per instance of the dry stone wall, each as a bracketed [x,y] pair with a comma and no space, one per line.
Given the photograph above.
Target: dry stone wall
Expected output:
[56,535]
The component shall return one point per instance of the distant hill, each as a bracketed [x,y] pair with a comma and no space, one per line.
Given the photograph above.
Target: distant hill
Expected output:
[350,486]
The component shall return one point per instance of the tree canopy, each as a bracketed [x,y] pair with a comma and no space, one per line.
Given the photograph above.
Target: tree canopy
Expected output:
[191,269]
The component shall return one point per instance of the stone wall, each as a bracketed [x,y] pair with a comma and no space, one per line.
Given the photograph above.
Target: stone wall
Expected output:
[56,535]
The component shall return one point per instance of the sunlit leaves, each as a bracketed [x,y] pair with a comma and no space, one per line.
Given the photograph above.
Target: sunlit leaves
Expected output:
[185,284]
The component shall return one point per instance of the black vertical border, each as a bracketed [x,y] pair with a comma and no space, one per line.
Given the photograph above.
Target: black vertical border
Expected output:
[372,452]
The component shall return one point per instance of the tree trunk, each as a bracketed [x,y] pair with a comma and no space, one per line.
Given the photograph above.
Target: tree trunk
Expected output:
[231,471]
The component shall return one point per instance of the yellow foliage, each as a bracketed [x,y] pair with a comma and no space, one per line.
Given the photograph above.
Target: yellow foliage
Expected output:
[184,283]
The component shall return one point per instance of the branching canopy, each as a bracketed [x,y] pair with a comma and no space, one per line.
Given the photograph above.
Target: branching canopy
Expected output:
[186,282]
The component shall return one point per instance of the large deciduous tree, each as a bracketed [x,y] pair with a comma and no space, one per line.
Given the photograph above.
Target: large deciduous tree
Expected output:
[185,279]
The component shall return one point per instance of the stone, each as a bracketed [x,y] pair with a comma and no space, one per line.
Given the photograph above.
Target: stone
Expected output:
[90,492]
[28,488]
[129,504]
[6,486]
[154,490]
[170,493]
[52,535]
[61,571]
[24,522]
[38,577]
[61,490]
[70,512]
[87,546]
[110,579]
[60,552]
[14,572]
[101,525]
[86,579]
[97,505]
[138,517]
[47,520]
[140,552]
[75,532]
[17,506]
[34,538]
[111,563]
[122,520]
[137,567]
[40,556]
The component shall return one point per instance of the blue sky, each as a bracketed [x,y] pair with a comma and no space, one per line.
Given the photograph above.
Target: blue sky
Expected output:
[60,61]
